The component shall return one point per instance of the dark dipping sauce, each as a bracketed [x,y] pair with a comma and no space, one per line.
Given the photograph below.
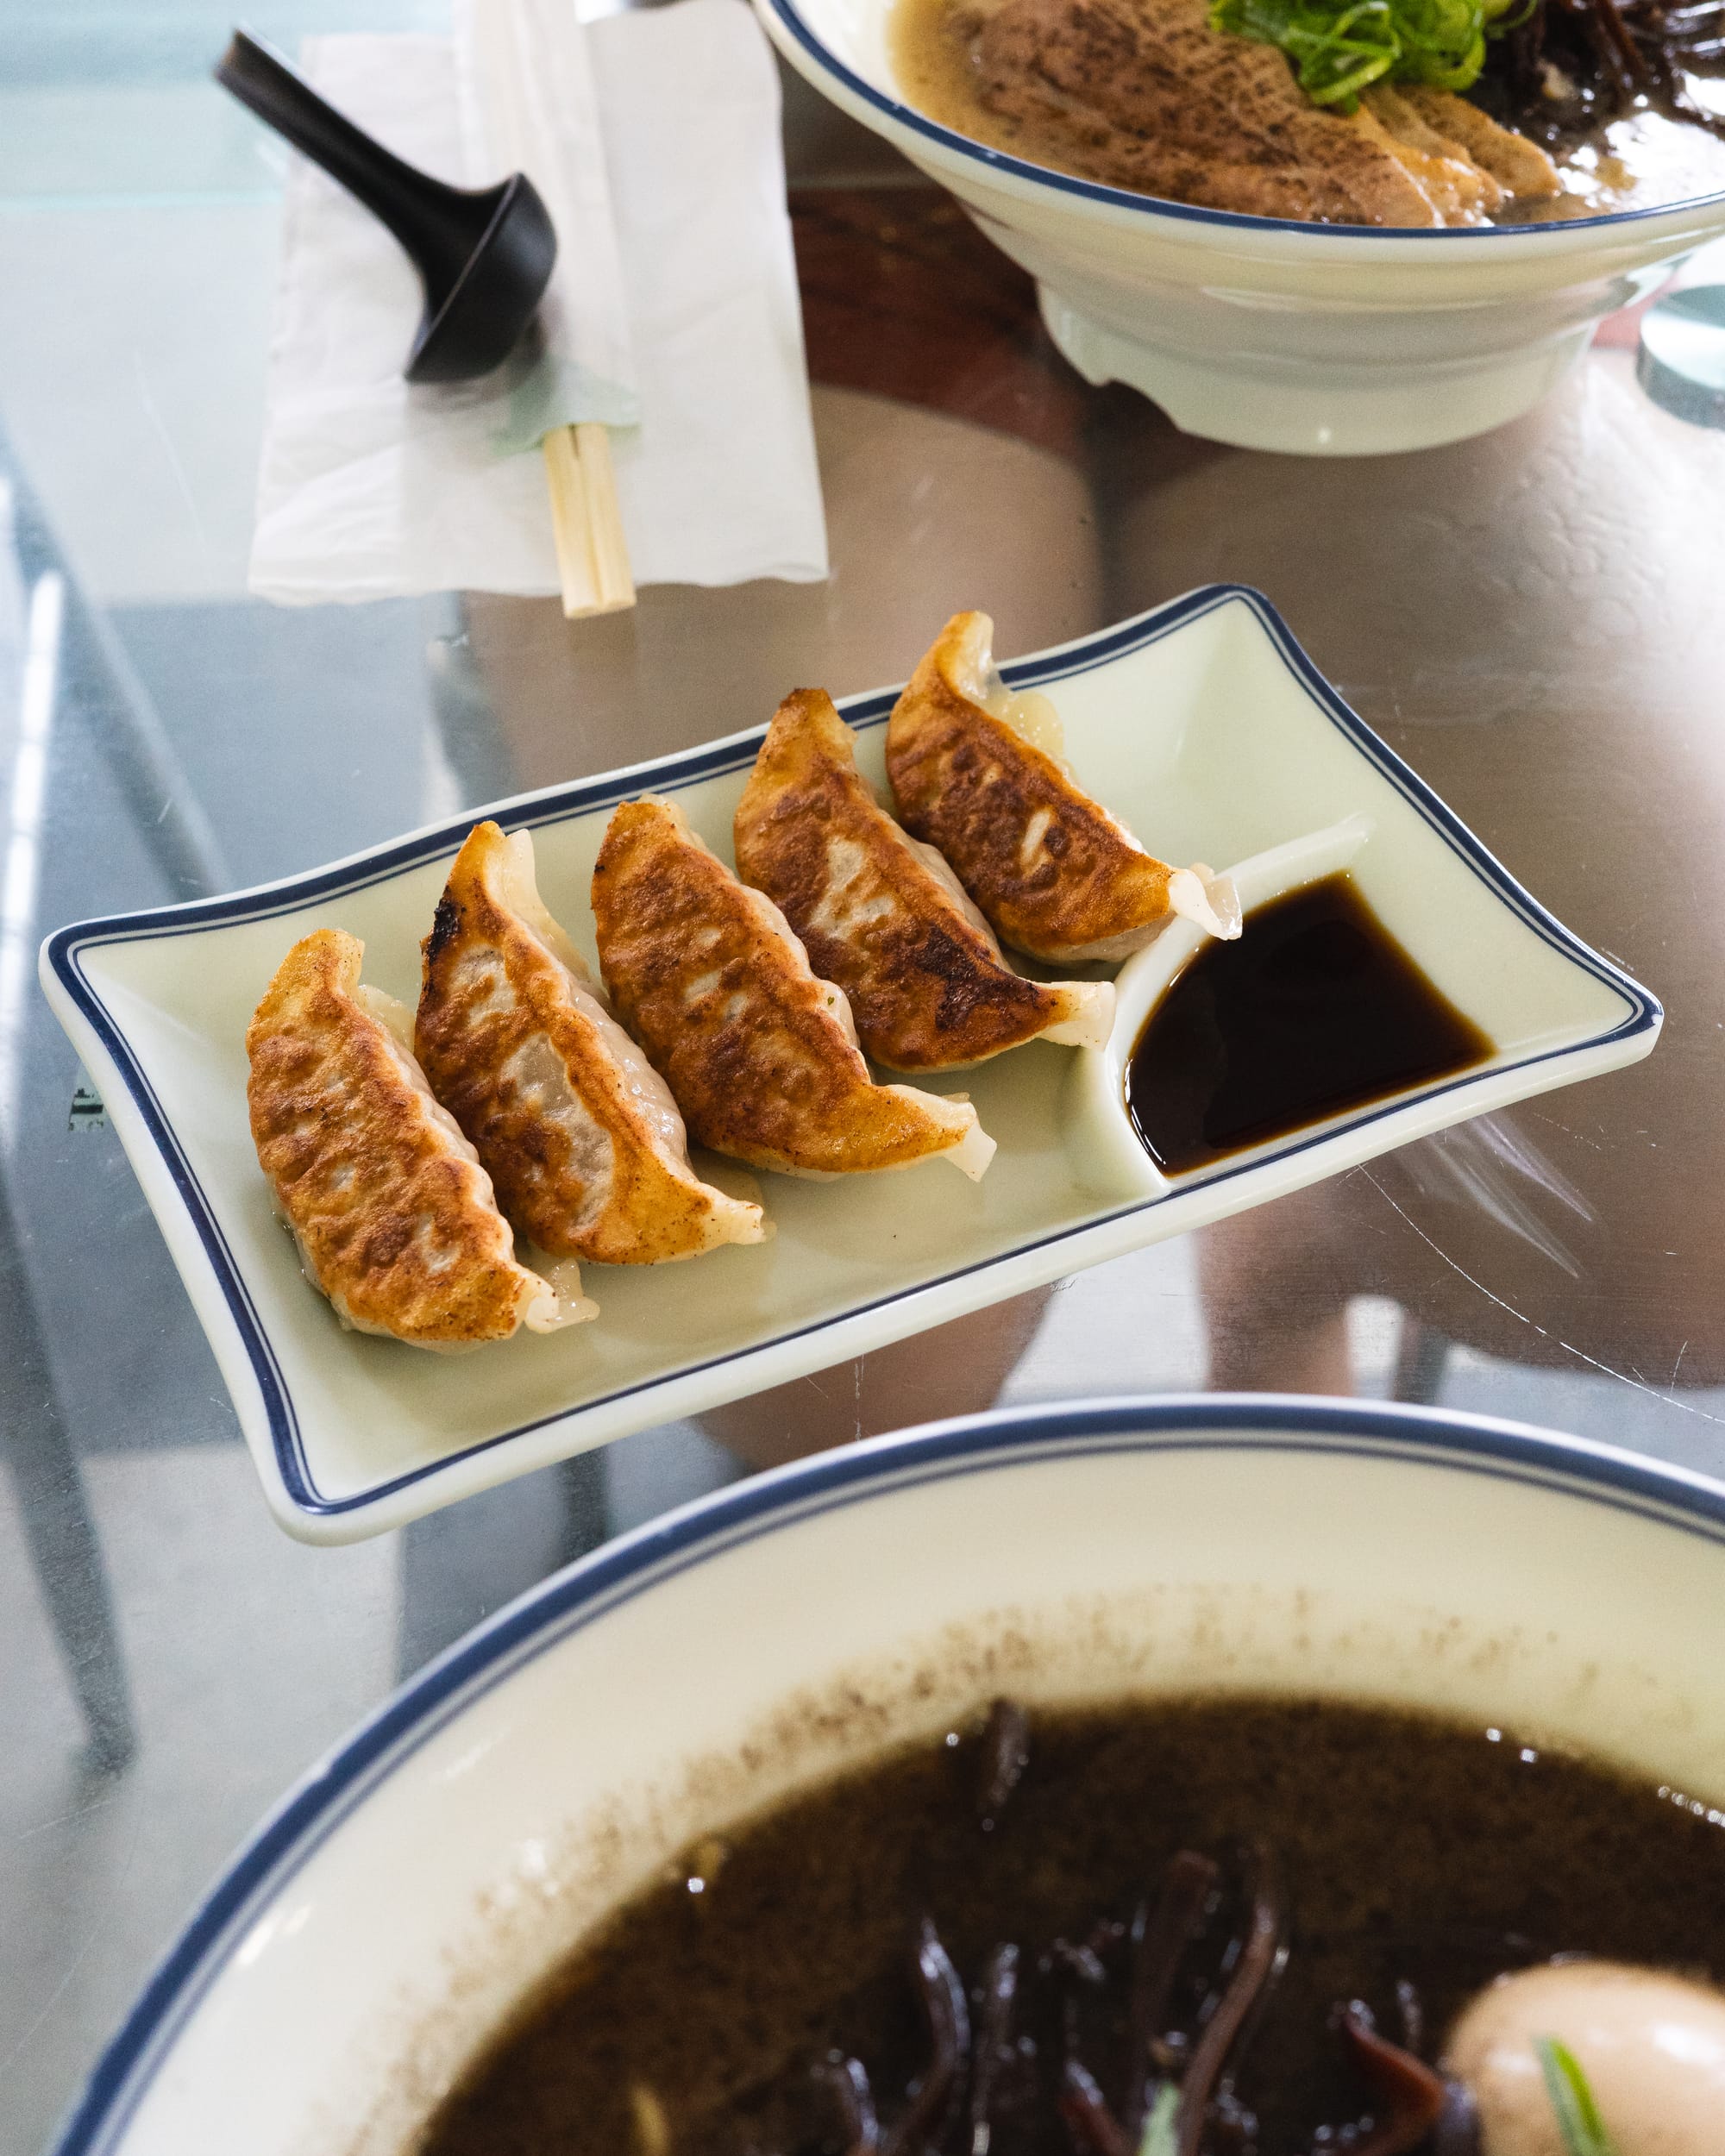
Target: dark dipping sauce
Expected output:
[1313,1008]
[1405,1862]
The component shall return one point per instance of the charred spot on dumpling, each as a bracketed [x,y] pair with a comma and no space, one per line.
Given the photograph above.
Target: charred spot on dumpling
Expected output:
[446,926]
[882,917]
[1056,873]
[759,1052]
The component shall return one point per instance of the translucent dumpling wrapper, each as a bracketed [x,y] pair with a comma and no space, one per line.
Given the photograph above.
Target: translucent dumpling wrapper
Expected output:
[980,774]
[578,1133]
[395,1217]
[882,914]
[761,1055]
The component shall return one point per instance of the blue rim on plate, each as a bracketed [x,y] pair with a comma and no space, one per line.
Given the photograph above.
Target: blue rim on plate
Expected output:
[786,13]
[64,953]
[315,1808]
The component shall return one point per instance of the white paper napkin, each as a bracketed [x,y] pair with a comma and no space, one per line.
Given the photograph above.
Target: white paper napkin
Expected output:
[370,489]
[529,104]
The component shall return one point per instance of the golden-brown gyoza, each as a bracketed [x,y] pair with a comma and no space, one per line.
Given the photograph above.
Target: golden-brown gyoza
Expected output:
[761,1056]
[978,772]
[578,1131]
[393,1212]
[883,915]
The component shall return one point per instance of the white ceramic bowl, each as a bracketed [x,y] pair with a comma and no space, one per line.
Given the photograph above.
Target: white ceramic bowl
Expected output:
[1329,339]
[409,1890]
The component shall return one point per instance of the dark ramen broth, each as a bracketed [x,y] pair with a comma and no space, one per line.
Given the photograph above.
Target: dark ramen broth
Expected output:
[1633,160]
[1399,1851]
[1315,1008]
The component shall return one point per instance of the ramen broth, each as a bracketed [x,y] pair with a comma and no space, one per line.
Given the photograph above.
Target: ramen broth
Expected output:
[1405,1862]
[1634,162]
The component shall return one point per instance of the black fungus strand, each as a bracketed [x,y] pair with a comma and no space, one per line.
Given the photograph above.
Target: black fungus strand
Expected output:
[1411,2011]
[1407,2098]
[993,2048]
[1613,52]
[947,2016]
[1006,1754]
[1083,1964]
[1092,2125]
[1160,1936]
[1254,1960]
[1457,2132]
[1231,2128]
[844,2082]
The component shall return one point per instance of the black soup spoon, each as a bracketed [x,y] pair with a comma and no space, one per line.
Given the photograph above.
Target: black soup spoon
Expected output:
[483,254]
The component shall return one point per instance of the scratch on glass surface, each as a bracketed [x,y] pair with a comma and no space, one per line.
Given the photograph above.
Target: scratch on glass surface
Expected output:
[153,414]
[1568,1130]
[1581,1355]
[67,1819]
[1486,1163]
[93,1931]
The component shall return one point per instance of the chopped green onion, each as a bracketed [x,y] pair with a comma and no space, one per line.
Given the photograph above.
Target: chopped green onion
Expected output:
[1160,2137]
[1338,47]
[1577,2115]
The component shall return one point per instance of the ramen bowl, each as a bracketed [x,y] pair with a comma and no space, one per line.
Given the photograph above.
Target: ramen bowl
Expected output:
[419,1881]
[1327,340]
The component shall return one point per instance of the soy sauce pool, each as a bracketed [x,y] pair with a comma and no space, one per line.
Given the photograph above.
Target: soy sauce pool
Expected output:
[1315,1009]
[1406,1853]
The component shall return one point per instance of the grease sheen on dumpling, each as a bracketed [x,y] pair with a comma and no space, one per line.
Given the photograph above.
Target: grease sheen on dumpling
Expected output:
[578,1131]
[761,1055]
[882,914]
[979,773]
[394,1216]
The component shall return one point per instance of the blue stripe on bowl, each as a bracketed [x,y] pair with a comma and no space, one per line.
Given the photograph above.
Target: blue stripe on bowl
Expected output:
[787,14]
[583,1593]
[66,948]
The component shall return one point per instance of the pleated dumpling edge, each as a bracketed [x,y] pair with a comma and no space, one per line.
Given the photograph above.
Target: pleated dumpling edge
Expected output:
[762,1053]
[393,1214]
[883,914]
[980,773]
[580,1132]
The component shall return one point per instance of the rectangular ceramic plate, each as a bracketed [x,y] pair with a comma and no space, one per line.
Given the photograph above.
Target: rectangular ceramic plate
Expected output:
[1202,724]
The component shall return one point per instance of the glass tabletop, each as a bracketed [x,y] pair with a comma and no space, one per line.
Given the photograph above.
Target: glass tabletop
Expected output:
[1531,620]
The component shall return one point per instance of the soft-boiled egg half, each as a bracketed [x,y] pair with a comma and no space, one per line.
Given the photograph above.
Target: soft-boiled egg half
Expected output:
[1652,2046]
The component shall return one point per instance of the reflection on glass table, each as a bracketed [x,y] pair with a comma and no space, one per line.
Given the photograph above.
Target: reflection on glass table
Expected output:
[1531,619]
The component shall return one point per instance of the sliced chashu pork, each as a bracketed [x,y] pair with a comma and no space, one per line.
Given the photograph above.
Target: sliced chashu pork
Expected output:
[1520,167]
[1144,94]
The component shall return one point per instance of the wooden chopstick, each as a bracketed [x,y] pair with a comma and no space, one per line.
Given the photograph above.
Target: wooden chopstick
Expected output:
[592,556]
[533,72]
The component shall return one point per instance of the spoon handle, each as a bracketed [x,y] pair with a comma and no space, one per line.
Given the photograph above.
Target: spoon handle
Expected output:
[415,207]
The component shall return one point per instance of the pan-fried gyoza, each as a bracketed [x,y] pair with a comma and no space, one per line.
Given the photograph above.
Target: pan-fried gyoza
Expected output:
[883,915]
[979,773]
[578,1131]
[393,1214]
[761,1055]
